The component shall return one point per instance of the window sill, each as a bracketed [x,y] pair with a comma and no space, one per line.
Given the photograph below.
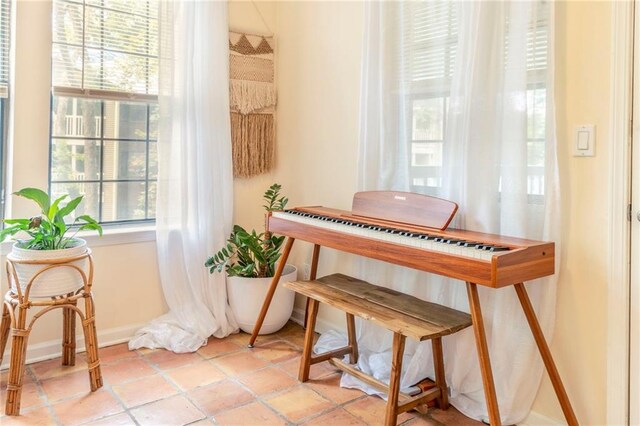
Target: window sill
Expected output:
[112,236]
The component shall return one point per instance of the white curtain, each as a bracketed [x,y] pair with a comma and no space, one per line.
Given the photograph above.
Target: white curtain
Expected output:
[457,102]
[195,184]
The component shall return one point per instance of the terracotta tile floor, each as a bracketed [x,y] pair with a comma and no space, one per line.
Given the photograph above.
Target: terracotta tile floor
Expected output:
[223,383]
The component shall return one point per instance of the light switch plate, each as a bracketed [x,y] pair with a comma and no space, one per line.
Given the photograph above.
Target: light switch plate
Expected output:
[584,140]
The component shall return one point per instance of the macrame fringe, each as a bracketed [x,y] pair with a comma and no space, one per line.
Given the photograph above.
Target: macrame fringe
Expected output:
[253,145]
[250,96]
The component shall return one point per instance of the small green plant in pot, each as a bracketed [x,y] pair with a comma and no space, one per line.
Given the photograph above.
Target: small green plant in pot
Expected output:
[251,254]
[249,260]
[49,239]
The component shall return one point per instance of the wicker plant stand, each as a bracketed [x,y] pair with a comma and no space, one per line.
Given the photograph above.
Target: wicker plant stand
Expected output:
[14,317]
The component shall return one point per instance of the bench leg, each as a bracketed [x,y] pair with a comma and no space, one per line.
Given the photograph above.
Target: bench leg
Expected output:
[305,361]
[438,366]
[394,383]
[353,341]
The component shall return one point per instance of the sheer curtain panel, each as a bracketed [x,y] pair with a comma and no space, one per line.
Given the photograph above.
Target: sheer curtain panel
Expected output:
[457,102]
[195,199]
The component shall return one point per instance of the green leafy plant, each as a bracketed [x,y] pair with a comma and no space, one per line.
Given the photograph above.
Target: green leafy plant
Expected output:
[48,231]
[251,254]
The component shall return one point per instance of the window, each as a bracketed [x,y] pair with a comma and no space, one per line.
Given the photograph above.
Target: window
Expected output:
[104,113]
[430,50]
[5,8]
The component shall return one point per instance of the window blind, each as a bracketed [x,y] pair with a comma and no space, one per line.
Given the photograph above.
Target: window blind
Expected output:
[431,38]
[5,32]
[105,49]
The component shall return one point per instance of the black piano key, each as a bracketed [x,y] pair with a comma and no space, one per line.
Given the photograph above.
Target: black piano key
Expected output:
[497,248]
[451,241]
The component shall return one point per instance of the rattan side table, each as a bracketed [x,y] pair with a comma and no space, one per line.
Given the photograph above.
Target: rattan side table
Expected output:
[14,318]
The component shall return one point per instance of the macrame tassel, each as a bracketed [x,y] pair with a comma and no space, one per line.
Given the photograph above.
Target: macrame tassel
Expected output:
[250,96]
[252,137]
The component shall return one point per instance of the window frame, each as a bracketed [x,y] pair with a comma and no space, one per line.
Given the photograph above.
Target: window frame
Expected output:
[102,95]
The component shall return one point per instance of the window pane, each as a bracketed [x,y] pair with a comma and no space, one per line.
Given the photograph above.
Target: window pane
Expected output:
[536,113]
[67,22]
[154,116]
[75,117]
[75,159]
[153,191]
[153,160]
[123,201]
[426,154]
[125,120]
[428,119]
[124,160]
[90,202]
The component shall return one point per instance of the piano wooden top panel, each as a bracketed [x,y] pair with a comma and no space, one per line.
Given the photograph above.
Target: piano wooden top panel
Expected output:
[526,260]
[404,207]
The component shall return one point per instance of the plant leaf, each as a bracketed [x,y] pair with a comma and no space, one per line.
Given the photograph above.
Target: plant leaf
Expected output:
[37,195]
[54,207]
[91,221]
[71,206]
[12,230]
[20,221]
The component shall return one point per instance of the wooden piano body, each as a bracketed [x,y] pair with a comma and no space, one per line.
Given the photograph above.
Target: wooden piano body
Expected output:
[410,230]
[524,261]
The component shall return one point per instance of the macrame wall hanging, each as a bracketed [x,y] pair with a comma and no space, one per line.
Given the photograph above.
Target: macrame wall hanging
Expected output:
[253,102]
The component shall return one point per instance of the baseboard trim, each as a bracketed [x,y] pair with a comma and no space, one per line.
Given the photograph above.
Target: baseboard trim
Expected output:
[53,348]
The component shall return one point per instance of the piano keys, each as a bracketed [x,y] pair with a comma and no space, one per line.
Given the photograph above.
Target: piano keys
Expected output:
[485,259]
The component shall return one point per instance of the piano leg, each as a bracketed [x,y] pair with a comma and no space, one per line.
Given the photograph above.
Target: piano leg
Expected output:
[543,348]
[271,291]
[312,276]
[483,355]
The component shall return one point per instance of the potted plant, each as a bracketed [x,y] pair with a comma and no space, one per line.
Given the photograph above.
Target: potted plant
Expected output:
[49,241]
[249,259]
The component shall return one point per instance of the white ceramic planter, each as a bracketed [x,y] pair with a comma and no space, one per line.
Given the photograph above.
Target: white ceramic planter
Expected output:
[54,282]
[247,294]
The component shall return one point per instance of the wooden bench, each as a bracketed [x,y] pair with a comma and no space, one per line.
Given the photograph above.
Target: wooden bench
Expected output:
[404,315]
